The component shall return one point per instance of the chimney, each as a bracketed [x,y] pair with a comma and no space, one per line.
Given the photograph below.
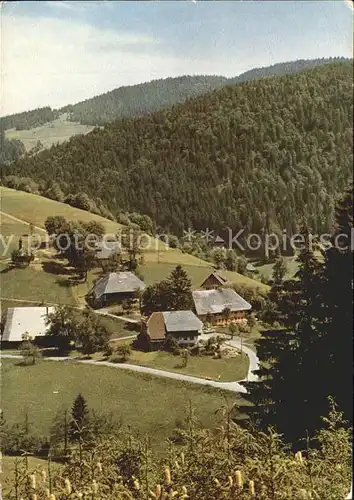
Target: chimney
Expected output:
[46,310]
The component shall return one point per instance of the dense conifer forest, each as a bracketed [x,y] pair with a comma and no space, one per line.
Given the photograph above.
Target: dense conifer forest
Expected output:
[138,100]
[10,149]
[261,153]
[28,119]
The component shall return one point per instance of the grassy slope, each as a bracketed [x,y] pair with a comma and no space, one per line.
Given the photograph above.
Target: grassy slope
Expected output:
[267,269]
[11,231]
[148,404]
[50,133]
[35,209]
[32,283]
[229,369]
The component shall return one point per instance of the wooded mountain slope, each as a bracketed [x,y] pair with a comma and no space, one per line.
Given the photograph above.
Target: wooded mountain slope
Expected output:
[28,119]
[285,68]
[10,149]
[262,151]
[138,100]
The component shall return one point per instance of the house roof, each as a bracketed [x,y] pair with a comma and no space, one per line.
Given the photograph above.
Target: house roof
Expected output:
[220,279]
[22,320]
[120,282]
[106,249]
[181,321]
[216,300]
[156,326]
[161,323]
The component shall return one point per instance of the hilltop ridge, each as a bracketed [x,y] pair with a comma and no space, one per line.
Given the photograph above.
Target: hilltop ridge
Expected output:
[246,156]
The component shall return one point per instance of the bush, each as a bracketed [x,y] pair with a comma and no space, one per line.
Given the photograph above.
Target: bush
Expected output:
[170,345]
[123,352]
[30,352]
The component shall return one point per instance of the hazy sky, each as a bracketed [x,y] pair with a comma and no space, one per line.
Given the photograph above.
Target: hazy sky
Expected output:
[57,52]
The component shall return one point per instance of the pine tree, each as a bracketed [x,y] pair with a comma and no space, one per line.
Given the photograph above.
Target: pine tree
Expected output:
[80,419]
[337,322]
[279,270]
[180,290]
[289,395]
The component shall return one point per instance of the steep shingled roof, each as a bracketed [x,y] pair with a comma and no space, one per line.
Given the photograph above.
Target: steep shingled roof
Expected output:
[220,279]
[156,326]
[216,300]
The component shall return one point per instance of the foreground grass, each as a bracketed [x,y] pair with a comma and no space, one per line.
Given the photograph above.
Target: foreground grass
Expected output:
[228,369]
[150,405]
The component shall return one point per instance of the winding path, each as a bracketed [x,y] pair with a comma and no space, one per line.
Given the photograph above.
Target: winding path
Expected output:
[229,386]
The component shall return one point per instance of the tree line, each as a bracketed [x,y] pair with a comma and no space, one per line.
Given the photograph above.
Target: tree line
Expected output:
[255,156]
[28,119]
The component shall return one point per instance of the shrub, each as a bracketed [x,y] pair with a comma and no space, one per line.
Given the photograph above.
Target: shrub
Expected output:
[170,345]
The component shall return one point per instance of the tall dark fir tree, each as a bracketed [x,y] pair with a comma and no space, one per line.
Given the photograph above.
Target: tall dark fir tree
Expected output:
[79,419]
[287,395]
[337,321]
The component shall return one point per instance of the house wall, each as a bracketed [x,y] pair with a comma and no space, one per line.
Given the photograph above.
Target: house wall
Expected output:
[185,338]
[219,319]
[113,298]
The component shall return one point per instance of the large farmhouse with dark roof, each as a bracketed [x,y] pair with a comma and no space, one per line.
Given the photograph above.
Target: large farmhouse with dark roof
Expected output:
[183,326]
[114,288]
[211,304]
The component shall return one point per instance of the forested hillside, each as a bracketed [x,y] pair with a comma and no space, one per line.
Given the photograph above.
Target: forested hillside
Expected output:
[10,149]
[264,151]
[141,99]
[138,100]
[28,119]
[286,68]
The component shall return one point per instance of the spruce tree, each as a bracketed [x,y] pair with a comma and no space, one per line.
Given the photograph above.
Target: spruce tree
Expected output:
[287,395]
[80,418]
[279,270]
[180,290]
[336,324]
